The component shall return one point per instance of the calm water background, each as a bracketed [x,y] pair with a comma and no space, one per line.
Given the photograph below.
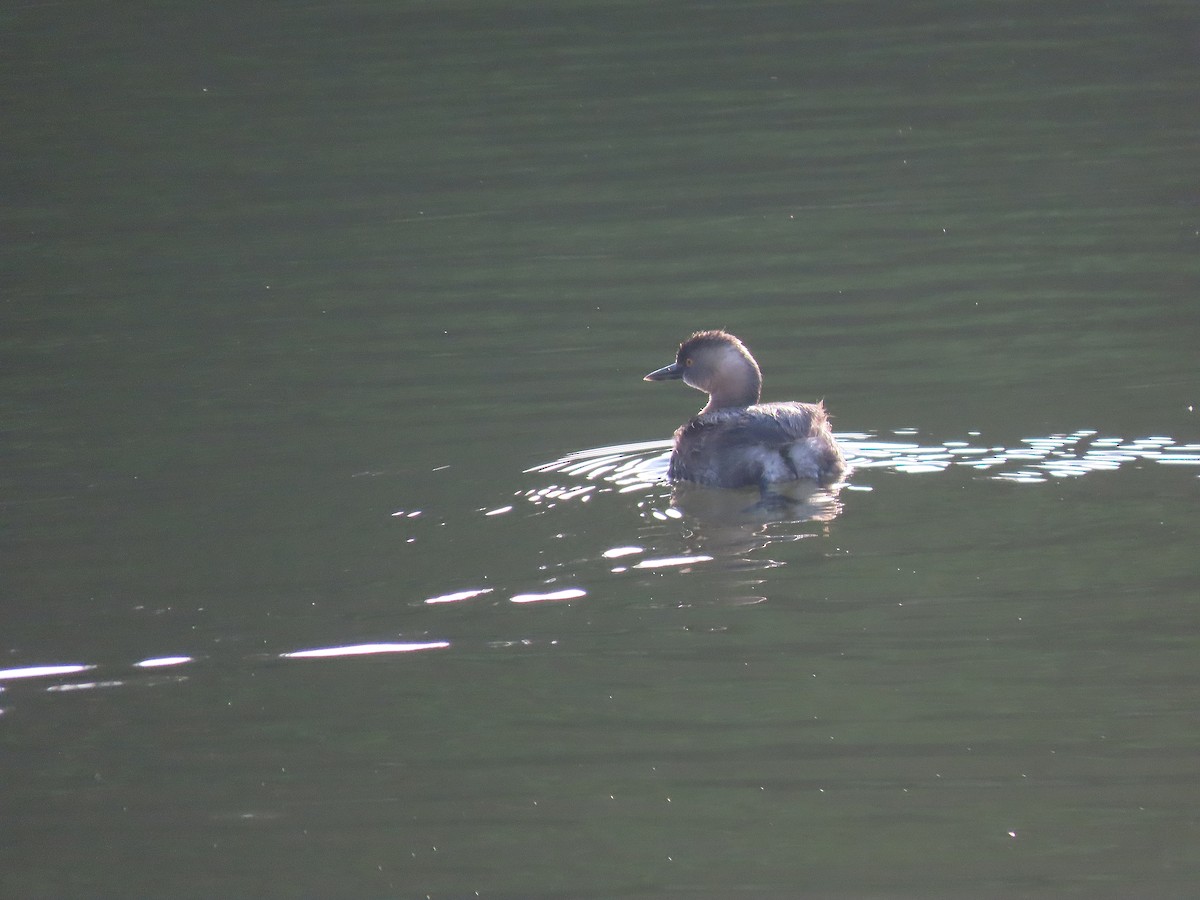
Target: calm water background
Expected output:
[295,298]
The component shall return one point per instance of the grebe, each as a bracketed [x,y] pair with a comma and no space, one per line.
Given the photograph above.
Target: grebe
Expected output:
[735,441]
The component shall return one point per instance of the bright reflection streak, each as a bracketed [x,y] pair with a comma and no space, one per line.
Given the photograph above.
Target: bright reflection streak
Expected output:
[670,562]
[617,552]
[84,686]
[567,594]
[363,650]
[42,671]
[1035,460]
[618,451]
[459,595]
[163,661]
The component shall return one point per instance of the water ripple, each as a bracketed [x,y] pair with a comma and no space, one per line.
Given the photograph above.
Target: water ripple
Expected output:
[642,467]
[1035,459]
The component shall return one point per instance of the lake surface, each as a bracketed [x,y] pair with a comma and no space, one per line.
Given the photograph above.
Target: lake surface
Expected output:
[337,556]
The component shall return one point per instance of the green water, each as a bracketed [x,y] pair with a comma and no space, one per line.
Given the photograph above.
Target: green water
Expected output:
[295,302]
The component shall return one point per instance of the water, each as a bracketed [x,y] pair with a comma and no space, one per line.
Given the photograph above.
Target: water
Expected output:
[337,557]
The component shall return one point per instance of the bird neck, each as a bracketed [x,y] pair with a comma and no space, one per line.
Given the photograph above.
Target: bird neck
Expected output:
[738,386]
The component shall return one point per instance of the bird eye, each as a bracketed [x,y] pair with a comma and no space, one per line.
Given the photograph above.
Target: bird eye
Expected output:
[688,361]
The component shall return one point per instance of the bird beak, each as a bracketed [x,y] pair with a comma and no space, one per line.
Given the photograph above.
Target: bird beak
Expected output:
[674,370]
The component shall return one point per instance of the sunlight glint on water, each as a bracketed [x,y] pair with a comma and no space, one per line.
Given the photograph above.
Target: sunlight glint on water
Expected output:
[1036,459]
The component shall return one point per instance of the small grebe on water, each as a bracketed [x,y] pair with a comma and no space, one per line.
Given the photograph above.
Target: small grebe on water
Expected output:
[735,441]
